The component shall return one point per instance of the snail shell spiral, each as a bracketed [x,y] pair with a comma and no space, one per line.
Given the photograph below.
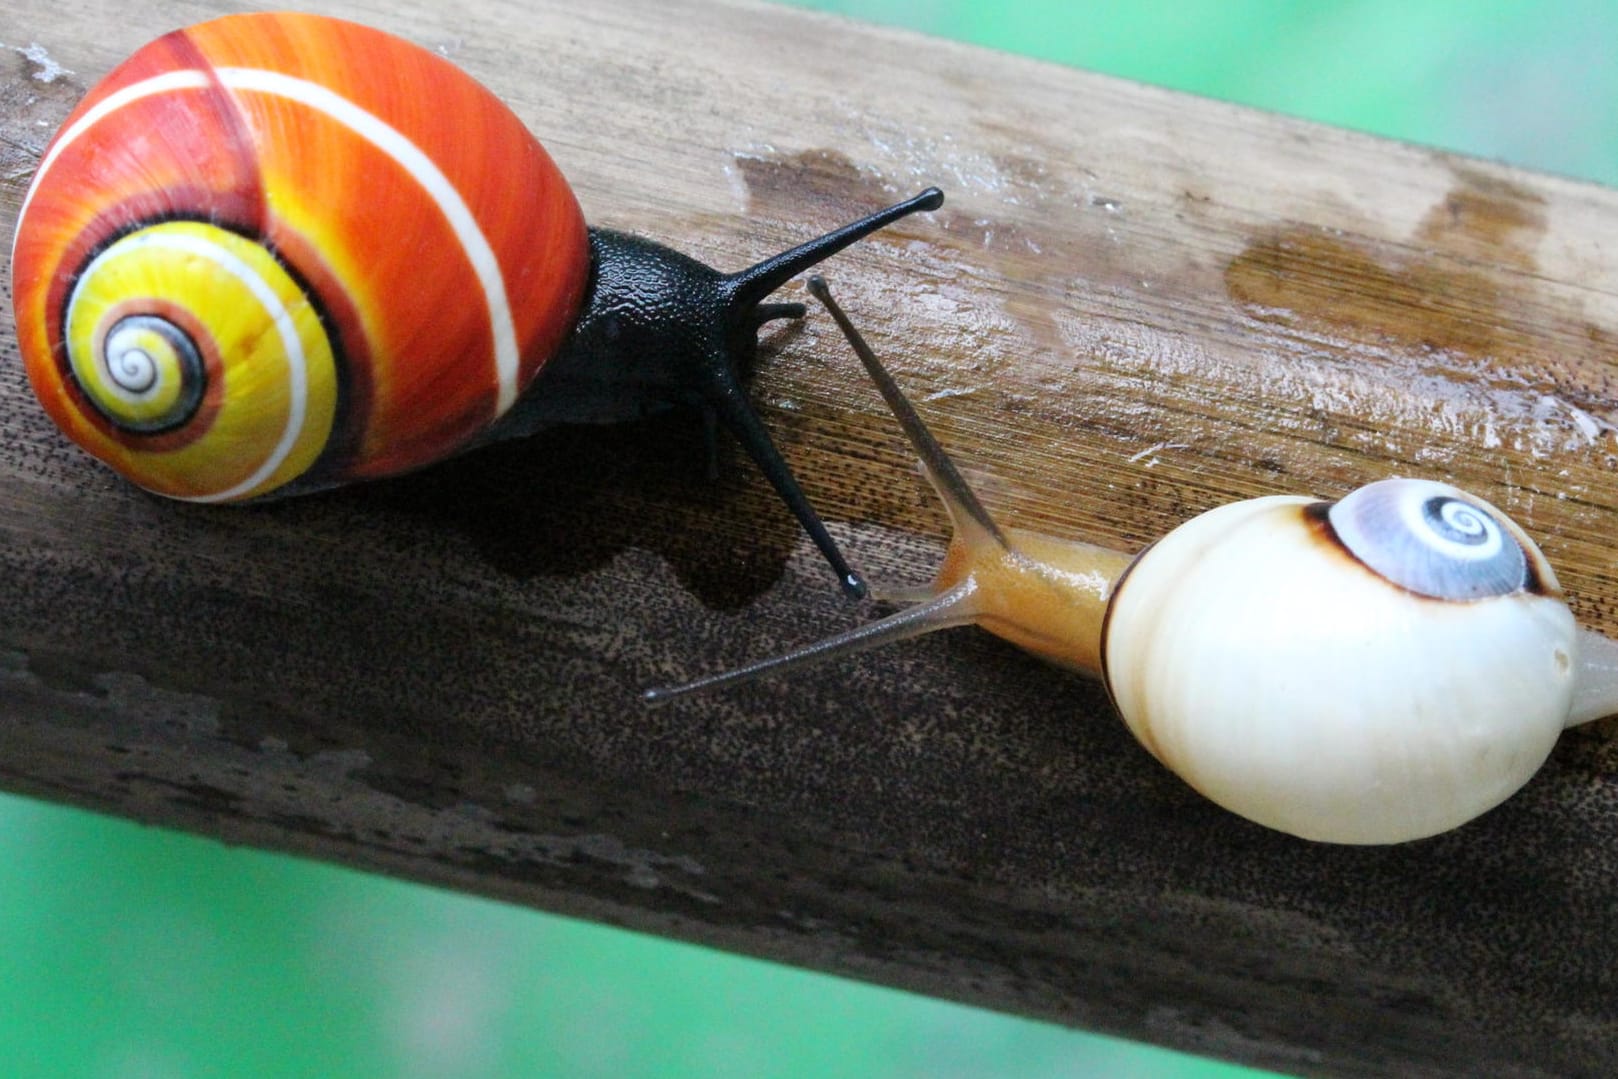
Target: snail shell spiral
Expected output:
[275,249]
[1334,670]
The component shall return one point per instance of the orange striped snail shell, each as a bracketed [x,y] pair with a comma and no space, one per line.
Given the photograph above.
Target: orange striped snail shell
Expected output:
[246,173]
[275,252]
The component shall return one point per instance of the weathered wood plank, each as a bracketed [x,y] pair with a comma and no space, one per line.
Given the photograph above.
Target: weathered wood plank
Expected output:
[1134,306]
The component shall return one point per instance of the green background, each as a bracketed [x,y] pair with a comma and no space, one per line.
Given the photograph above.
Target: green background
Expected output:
[133,952]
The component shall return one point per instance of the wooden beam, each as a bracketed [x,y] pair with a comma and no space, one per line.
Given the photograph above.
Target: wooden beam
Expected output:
[1134,306]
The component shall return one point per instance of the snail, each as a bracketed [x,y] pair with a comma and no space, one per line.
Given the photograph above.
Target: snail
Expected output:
[1374,670]
[272,253]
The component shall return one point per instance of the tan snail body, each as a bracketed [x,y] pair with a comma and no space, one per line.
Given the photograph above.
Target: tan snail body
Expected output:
[1374,670]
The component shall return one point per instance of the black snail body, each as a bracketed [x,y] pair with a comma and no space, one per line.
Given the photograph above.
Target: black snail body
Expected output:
[1373,670]
[253,263]
[662,330]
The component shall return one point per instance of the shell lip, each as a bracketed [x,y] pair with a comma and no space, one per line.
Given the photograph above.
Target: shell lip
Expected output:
[1106,621]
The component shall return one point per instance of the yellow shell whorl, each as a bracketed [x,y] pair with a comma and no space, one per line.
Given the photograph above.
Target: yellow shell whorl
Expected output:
[209,366]
[142,372]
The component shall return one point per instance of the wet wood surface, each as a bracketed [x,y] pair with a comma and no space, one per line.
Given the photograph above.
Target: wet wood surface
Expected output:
[1134,306]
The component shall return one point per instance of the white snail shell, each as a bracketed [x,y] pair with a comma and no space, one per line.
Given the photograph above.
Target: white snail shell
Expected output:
[1380,670]
[1375,670]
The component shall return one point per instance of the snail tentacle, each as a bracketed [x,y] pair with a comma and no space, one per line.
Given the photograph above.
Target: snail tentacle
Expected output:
[956,607]
[902,593]
[747,288]
[972,522]
[1046,595]
[728,400]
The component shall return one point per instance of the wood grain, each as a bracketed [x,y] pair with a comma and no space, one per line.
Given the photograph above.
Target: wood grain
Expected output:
[1134,306]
